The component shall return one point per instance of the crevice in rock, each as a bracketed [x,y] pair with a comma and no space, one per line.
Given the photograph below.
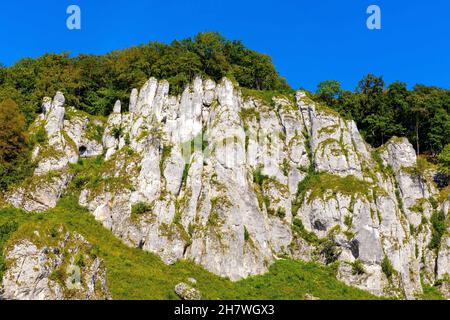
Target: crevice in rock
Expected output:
[319,225]
[354,248]
[82,150]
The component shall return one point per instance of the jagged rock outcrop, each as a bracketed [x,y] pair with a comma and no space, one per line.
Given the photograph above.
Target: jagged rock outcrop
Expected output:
[232,181]
[62,138]
[187,292]
[66,270]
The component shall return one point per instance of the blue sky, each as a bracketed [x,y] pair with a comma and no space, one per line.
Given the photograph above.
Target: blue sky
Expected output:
[309,41]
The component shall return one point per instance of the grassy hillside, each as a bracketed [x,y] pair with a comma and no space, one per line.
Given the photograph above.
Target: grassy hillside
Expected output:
[135,274]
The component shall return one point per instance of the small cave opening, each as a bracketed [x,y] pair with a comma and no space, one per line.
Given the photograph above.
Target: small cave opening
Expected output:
[319,225]
[82,150]
[354,248]
[186,247]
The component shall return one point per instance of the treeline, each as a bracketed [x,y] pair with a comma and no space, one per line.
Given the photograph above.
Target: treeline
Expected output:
[92,83]
[381,112]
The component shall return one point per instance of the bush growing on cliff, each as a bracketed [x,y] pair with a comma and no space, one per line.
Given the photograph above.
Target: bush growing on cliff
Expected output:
[14,145]
[444,160]
[387,267]
[358,267]
[141,208]
[259,177]
[330,251]
[6,229]
[438,229]
[300,230]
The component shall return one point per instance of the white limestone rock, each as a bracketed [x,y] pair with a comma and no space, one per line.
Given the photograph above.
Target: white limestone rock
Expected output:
[222,179]
[31,269]
[207,207]
[186,292]
[51,176]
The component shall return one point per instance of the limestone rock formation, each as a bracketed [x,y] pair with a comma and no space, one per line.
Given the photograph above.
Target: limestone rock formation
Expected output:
[187,292]
[232,181]
[66,270]
[62,138]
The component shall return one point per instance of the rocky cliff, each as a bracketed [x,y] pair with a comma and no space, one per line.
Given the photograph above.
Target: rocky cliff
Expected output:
[66,270]
[234,179]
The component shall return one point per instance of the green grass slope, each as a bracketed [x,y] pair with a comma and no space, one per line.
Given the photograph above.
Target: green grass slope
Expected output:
[135,274]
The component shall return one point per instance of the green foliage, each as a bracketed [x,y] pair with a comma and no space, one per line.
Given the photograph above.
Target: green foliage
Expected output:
[95,132]
[15,147]
[141,208]
[302,188]
[419,206]
[40,137]
[246,234]
[330,251]
[166,151]
[259,177]
[421,114]
[329,92]
[444,194]
[86,171]
[422,165]
[320,184]
[358,267]
[93,83]
[6,230]
[136,274]
[265,96]
[2,73]
[249,114]
[213,218]
[185,174]
[12,132]
[117,132]
[419,170]
[387,267]
[438,224]
[299,229]
[348,221]
[431,293]
[444,160]
[285,167]
[281,213]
